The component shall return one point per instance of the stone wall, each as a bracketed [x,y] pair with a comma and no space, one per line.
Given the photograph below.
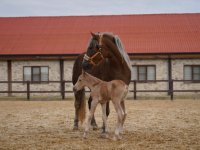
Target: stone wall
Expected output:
[161,74]
[177,74]
[68,67]
[54,75]
[3,77]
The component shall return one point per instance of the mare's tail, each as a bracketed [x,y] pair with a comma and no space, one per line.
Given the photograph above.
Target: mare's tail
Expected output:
[80,105]
[82,110]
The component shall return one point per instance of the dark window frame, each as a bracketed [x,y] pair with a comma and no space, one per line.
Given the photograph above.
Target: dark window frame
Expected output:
[192,80]
[39,82]
[146,73]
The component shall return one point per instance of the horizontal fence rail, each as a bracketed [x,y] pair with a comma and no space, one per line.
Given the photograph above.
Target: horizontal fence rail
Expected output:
[63,90]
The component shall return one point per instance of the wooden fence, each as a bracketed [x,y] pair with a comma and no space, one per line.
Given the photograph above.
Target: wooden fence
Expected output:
[63,92]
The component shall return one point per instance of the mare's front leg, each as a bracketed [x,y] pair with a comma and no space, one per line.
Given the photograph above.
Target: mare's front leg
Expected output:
[93,121]
[107,114]
[91,113]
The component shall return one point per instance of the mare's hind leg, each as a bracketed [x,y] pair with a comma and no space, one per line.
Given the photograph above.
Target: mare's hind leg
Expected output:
[93,121]
[91,113]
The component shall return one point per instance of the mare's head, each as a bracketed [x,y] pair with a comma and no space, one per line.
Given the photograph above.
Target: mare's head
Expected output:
[99,48]
[81,82]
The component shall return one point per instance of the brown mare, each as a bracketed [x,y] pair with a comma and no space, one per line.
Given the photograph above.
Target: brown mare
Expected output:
[102,92]
[104,60]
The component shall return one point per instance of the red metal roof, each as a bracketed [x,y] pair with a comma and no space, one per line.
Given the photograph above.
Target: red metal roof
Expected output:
[156,33]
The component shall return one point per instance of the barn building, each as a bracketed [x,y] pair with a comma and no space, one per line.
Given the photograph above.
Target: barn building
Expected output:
[161,47]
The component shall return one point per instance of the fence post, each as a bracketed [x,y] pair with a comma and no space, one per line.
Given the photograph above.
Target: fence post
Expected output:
[135,89]
[28,90]
[63,89]
[172,89]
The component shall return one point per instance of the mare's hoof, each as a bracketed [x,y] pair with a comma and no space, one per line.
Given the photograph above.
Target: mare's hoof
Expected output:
[94,127]
[75,128]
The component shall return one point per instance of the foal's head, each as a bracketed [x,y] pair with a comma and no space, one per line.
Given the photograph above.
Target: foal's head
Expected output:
[81,82]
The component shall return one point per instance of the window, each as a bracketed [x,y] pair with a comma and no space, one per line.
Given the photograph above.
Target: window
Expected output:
[192,72]
[144,73]
[36,73]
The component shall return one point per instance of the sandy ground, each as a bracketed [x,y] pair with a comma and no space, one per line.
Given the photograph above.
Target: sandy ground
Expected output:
[150,124]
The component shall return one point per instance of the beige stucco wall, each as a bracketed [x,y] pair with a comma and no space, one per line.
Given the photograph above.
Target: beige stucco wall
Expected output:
[177,74]
[161,74]
[3,77]
[68,67]
[54,75]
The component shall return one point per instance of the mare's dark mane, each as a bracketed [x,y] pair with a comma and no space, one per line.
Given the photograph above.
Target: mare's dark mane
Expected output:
[111,44]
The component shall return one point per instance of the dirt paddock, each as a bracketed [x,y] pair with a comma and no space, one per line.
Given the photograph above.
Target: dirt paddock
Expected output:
[150,124]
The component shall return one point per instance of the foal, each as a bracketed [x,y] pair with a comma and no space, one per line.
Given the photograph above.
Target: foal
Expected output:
[101,92]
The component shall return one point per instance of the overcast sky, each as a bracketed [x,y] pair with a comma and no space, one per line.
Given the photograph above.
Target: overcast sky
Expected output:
[95,7]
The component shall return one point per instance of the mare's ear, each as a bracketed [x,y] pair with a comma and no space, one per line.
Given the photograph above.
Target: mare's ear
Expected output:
[94,36]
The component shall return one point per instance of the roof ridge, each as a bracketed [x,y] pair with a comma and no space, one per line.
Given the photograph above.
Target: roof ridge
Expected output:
[104,15]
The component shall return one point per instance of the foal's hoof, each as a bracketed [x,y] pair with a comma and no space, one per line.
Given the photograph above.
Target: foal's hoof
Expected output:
[104,135]
[115,138]
[85,136]
[121,131]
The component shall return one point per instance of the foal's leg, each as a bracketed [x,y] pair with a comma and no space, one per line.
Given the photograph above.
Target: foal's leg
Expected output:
[125,114]
[91,113]
[120,115]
